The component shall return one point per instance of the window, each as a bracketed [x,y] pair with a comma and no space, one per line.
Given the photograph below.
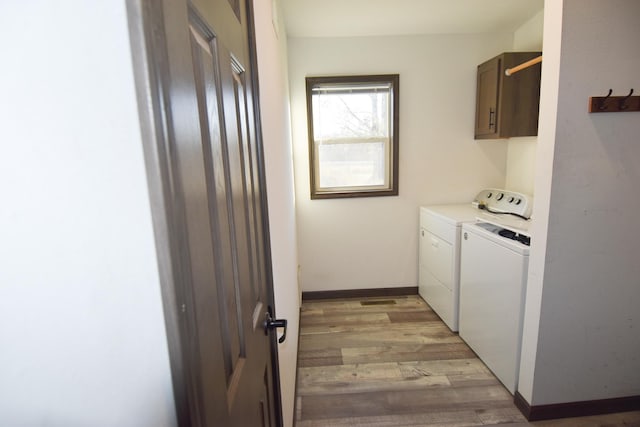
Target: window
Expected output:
[353,135]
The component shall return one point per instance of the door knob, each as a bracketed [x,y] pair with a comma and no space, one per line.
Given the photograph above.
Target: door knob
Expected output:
[270,323]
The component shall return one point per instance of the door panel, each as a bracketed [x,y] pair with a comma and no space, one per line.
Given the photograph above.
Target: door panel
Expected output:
[237,156]
[243,126]
[251,178]
[252,308]
[487,98]
[214,147]
[244,296]
[211,182]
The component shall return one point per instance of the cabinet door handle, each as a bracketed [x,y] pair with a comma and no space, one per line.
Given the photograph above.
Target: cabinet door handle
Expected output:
[492,114]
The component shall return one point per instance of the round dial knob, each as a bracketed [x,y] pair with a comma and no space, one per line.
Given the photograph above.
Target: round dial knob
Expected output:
[489,195]
[518,201]
[511,199]
[500,196]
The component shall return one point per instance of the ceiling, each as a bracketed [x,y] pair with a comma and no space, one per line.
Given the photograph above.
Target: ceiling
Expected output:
[352,18]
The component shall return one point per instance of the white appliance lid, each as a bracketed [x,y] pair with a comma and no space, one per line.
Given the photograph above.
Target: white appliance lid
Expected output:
[454,214]
[519,225]
[513,245]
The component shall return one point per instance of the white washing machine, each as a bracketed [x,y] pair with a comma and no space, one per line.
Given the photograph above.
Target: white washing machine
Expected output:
[439,251]
[493,276]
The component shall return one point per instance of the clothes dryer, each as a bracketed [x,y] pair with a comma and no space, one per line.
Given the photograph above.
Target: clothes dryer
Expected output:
[439,250]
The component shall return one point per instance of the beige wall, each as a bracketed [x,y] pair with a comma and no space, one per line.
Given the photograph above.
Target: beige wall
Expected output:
[274,109]
[82,338]
[543,176]
[372,242]
[580,340]
[521,155]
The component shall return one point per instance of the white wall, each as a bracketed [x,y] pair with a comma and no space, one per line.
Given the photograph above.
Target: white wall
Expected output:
[276,132]
[543,178]
[529,36]
[372,242]
[521,154]
[587,345]
[81,324]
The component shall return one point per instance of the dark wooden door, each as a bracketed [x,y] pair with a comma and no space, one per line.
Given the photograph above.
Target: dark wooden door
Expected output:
[487,98]
[197,73]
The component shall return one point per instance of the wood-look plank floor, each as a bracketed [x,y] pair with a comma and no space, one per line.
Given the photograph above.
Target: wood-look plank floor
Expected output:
[381,362]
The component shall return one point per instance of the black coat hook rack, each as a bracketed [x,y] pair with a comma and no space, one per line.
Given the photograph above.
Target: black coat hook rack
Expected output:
[614,104]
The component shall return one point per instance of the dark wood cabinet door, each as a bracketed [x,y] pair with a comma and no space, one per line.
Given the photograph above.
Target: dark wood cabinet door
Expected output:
[487,98]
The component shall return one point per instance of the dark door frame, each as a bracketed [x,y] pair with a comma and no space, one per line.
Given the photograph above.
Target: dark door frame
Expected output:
[148,46]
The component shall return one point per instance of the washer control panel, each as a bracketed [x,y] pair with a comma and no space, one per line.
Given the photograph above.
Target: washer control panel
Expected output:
[505,201]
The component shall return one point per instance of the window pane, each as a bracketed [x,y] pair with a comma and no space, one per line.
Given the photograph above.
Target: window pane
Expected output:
[352,165]
[351,115]
[353,135]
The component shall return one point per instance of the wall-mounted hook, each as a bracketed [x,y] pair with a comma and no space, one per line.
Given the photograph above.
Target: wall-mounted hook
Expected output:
[603,101]
[614,104]
[623,103]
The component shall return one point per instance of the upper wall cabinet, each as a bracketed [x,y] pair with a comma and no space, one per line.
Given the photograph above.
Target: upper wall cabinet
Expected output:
[507,106]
